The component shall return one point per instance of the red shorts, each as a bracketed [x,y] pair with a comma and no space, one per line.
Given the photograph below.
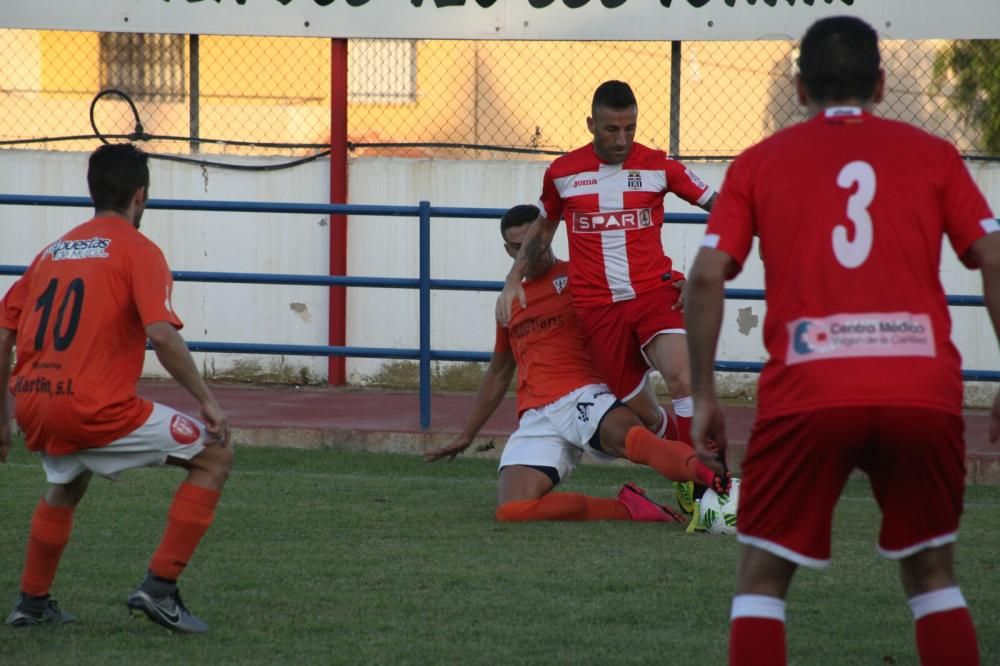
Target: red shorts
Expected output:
[615,334]
[796,467]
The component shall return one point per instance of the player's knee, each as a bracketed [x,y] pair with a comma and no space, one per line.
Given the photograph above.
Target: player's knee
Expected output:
[678,382]
[927,570]
[68,494]
[216,460]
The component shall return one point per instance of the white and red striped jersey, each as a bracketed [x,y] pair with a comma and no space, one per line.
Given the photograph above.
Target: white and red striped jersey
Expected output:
[613,216]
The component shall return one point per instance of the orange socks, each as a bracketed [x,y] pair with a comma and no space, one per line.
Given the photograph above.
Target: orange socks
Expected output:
[190,514]
[674,460]
[50,530]
[562,506]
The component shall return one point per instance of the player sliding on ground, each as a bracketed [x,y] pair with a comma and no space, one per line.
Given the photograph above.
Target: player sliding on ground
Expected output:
[564,409]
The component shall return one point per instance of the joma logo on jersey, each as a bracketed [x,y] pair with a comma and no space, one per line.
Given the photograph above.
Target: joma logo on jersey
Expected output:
[612,220]
[584,182]
[634,180]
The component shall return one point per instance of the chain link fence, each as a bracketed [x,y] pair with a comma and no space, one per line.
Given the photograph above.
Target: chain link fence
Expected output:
[219,95]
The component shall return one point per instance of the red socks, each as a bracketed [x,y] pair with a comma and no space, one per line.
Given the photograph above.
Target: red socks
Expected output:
[757,631]
[50,530]
[674,460]
[945,633]
[190,514]
[562,506]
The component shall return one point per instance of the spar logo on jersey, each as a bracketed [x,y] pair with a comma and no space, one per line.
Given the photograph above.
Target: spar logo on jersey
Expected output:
[629,219]
[560,283]
[90,248]
[634,180]
[184,430]
[810,337]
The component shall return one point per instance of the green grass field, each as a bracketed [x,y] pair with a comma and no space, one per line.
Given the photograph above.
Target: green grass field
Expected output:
[350,558]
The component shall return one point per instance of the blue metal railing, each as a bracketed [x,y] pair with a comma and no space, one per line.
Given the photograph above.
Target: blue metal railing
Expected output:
[424,212]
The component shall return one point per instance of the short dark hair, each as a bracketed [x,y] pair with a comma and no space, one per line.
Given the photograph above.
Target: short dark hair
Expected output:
[517,216]
[613,95]
[839,60]
[115,172]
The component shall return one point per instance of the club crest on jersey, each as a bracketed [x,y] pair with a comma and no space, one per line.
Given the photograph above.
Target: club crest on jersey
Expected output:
[634,180]
[560,283]
[184,430]
[612,220]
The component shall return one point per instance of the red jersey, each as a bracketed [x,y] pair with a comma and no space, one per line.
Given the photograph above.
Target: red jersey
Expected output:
[546,341]
[850,210]
[613,216]
[80,312]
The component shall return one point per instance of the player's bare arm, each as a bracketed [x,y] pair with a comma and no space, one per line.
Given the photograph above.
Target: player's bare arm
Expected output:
[494,386]
[705,293]
[536,243]
[6,353]
[176,359]
[985,253]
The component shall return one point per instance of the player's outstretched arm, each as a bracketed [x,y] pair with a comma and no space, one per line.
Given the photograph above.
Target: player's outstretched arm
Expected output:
[488,398]
[6,353]
[704,298]
[985,253]
[537,241]
[176,359]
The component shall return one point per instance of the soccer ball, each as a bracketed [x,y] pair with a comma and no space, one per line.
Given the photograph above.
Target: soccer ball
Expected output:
[718,512]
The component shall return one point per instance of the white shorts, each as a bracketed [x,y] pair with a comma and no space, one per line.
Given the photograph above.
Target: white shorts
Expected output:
[557,434]
[166,432]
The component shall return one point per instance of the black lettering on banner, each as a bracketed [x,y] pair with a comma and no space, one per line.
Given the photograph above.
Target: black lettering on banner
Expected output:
[62,336]
[542,4]
[454,3]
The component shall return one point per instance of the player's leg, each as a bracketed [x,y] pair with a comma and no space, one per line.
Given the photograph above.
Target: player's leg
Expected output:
[945,633]
[51,526]
[170,437]
[667,352]
[757,618]
[191,513]
[540,455]
[534,461]
[809,457]
[917,473]
[622,435]
[615,354]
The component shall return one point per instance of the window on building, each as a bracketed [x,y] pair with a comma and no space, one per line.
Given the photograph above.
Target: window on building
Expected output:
[382,70]
[144,66]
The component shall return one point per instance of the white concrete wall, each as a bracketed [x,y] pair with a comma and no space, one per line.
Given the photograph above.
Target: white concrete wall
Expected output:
[377,246]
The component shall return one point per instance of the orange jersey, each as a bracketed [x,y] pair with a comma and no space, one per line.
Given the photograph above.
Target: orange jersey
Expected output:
[80,312]
[546,341]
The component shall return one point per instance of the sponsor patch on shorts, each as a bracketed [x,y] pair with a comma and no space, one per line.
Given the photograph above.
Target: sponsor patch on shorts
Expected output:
[864,334]
[184,430]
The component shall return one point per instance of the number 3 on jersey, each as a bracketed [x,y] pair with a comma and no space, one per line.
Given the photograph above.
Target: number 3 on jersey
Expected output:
[852,253]
[61,336]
